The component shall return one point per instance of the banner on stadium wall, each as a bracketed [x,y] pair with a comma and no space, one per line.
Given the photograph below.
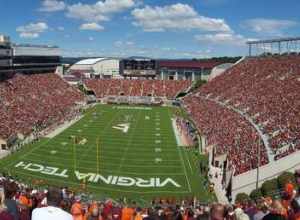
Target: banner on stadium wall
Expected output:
[152,182]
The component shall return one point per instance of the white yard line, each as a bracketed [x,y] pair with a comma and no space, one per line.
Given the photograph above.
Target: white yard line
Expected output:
[188,161]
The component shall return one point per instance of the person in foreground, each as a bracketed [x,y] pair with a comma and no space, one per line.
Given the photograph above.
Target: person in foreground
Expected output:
[52,211]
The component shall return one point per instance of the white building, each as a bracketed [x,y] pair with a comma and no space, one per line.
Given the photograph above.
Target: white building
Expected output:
[97,67]
[5,53]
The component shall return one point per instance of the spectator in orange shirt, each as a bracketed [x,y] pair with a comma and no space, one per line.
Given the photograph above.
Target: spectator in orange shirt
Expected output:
[127,213]
[76,209]
[289,188]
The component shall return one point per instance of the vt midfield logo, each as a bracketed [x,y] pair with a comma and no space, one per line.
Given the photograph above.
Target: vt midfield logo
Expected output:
[123,127]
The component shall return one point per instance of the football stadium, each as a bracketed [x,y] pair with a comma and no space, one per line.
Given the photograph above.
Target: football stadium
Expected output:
[130,132]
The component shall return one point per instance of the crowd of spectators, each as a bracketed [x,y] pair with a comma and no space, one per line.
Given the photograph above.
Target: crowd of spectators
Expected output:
[20,202]
[267,89]
[155,88]
[29,102]
[229,132]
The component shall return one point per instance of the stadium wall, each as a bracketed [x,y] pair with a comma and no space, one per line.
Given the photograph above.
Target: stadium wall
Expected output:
[246,182]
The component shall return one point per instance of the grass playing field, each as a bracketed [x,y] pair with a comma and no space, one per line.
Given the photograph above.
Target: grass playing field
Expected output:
[118,151]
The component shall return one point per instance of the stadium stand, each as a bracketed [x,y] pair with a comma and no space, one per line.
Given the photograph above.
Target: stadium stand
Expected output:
[262,90]
[34,102]
[156,88]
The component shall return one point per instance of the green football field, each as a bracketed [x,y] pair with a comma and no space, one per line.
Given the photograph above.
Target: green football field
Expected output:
[118,151]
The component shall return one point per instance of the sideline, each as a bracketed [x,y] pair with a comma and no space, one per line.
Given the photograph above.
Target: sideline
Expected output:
[63,127]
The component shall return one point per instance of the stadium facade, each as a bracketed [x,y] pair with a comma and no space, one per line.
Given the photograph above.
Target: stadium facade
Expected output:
[105,68]
[5,53]
[28,58]
[185,69]
[166,69]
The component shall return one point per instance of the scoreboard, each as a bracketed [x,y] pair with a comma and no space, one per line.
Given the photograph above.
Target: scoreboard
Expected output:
[138,67]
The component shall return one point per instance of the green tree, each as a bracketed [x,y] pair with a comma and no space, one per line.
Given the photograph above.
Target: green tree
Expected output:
[269,187]
[242,197]
[284,178]
[256,194]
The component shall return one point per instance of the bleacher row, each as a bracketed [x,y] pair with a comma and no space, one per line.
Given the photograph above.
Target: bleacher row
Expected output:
[267,90]
[29,102]
[155,88]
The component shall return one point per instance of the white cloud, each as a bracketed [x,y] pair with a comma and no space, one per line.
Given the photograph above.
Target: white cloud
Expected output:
[32,30]
[268,26]
[91,27]
[91,39]
[222,39]
[120,43]
[60,28]
[52,5]
[175,17]
[29,35]
[100,11]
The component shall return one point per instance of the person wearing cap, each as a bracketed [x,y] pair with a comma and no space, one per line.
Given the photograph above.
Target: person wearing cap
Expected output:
[52,211]
[77,210]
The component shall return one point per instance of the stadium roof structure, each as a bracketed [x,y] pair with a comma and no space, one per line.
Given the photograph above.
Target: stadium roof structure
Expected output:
[274,40]
[34,45]
[279,45]
[90,61]
[186,64]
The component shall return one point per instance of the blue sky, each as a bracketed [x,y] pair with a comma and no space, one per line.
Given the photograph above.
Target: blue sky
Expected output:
[154,28]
